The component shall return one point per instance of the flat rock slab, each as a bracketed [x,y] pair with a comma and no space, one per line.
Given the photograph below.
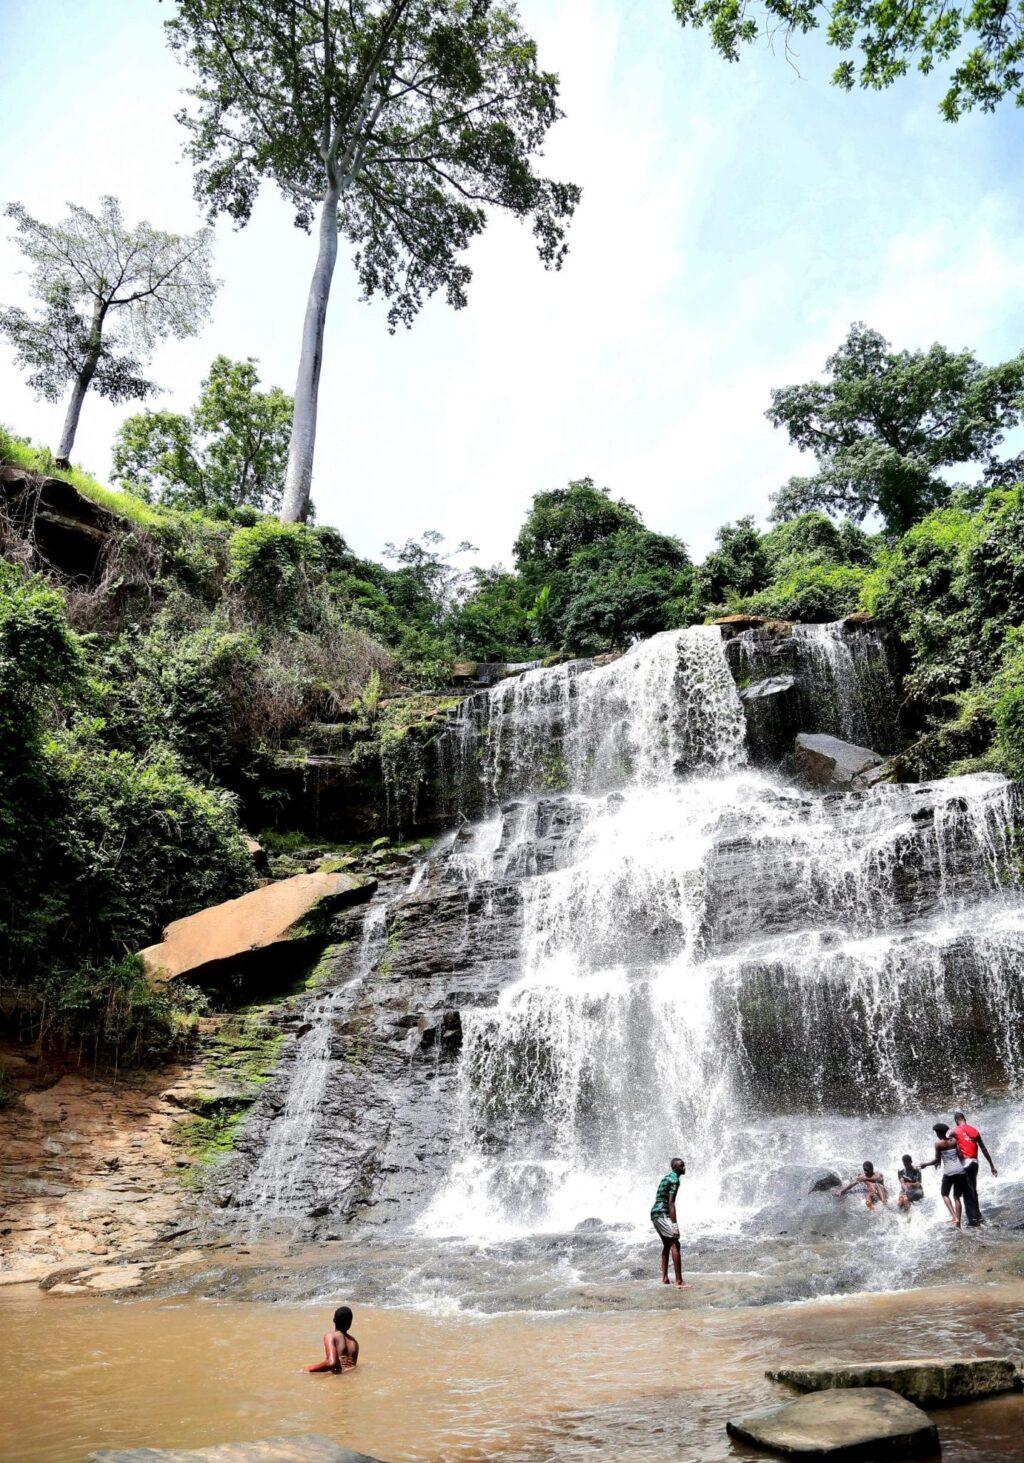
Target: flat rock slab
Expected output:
[830,762]
[311,1448]
[928,1381]
[226,934]
[864,1425]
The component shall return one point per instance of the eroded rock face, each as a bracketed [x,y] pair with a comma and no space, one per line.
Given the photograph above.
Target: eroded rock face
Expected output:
[830,762]
[231,938]
[860,1426]
[926,1381]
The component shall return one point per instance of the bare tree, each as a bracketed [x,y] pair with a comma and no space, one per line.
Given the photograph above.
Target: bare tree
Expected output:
[107,292]
[400,121]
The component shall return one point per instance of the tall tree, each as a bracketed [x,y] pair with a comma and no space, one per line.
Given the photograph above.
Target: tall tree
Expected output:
[983,42]
[886,423]
[228,452]
[400,121]
[108,292]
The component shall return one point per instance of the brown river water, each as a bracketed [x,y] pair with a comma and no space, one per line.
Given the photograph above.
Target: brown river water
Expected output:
[78,1374]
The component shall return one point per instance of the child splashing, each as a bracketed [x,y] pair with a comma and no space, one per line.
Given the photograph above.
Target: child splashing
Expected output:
[341,1350]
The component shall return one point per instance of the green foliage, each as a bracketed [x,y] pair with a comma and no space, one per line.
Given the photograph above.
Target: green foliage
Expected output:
[808,590]
[422,114]
[25,454]
[98,848]
[982,42]
[952,593]
[494,622]
[631,585]
[228,453]
[738,566]
[593,575]
[276,566]
[951,588]
[886,423]
[1007,692]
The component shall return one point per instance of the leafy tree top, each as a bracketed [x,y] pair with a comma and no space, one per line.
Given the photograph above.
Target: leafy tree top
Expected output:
[885,423]
[981,45]
[419,114]
[229,452]
[107,289]
[564,520]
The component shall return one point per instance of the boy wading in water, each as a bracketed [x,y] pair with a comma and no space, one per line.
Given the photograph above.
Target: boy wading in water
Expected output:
[911,1188]
[663,1217]
[341,1351]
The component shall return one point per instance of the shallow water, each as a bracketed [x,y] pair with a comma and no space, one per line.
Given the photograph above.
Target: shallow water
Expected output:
[81,1374]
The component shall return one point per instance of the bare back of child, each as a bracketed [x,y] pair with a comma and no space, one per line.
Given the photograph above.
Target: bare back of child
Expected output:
[341,1349]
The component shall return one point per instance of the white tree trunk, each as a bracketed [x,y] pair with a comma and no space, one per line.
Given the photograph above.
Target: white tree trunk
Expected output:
[81,386]
[299,473]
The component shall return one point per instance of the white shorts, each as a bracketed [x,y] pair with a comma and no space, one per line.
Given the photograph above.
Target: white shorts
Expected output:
[664,1226]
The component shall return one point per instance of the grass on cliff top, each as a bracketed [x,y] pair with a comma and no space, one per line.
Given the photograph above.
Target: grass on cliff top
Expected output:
[22,452]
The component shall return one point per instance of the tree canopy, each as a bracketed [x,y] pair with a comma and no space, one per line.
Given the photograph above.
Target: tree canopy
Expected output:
[885,423]
[107,292]
[402,121]
[228,452]
[980,46]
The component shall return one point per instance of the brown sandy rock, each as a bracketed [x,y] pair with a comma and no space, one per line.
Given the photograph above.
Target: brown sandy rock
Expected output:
[292,912]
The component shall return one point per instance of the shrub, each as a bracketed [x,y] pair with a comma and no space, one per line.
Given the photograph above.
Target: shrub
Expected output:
[273,565]
[810,591]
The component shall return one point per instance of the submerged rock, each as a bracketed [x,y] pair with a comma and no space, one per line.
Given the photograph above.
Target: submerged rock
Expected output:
[927,1381]
[228,938]
[830,762]
[860,1426]
[310,1448]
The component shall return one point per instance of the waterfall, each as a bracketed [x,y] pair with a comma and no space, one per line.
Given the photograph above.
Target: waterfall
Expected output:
[637,942]
[666,706]
[713,961]
[846,682]
[280,1180]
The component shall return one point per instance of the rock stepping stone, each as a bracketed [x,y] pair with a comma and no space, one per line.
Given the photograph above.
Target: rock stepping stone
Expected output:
[310,1448]
[927,1381]
[858,1425]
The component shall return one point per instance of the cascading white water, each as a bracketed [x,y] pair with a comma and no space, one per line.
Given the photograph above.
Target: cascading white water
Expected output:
[725,964]
[279,1175]
[847,681]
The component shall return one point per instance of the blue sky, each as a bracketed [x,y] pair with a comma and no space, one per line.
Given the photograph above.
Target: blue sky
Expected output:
[734,220]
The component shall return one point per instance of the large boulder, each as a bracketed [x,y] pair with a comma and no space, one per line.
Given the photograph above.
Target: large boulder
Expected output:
[865,1425]
[830,762]
[288,917]
[928,1381]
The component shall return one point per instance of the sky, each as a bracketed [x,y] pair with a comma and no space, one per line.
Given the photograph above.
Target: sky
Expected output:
[735,219]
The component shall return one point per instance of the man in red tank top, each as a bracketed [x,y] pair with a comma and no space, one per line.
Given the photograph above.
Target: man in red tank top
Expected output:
[968,1141]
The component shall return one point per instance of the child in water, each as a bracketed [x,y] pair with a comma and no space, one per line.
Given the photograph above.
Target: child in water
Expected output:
[874,1185]
[341,1350]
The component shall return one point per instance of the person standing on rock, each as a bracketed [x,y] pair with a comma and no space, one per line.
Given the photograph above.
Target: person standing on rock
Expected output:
[968,1141]
[954,1180]
[663,1217]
